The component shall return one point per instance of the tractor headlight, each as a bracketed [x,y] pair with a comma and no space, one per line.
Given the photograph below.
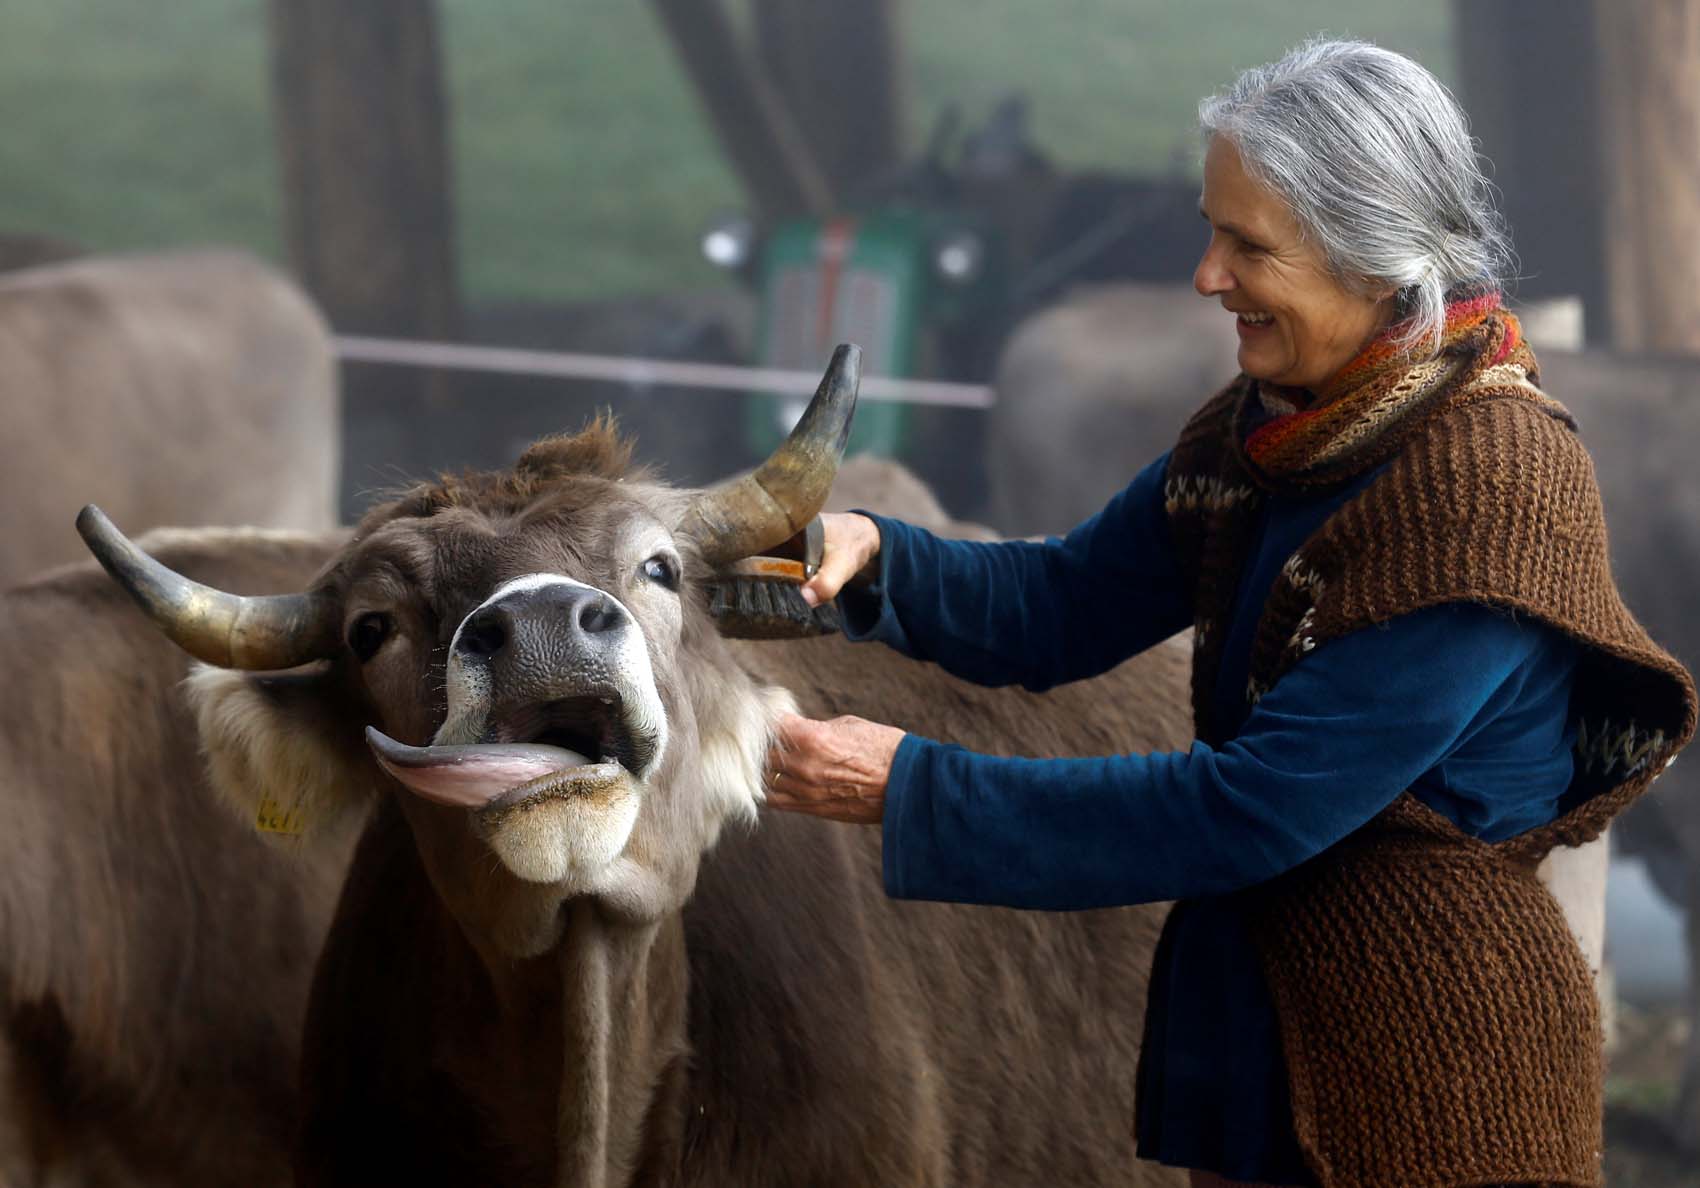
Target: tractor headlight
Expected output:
[960,257]
[729,242]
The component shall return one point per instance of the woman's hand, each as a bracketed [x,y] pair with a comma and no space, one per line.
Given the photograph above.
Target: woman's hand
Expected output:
[850,542]
[836,769]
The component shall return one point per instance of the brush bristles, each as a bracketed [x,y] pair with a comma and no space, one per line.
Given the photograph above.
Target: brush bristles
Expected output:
[767,608]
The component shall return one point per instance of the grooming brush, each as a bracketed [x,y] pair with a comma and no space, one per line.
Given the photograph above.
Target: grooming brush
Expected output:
[760,597]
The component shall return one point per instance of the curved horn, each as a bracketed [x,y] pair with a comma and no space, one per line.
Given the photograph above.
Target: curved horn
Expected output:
[228,630]
[758,511]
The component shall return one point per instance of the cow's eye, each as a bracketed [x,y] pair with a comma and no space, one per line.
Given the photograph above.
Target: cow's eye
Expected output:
[368,634]
[663,571]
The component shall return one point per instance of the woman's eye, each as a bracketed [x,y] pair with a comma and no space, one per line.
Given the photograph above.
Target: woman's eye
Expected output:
[368,634]
[663,571]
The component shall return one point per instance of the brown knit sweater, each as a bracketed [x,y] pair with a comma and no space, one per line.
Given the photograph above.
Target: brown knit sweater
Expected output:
[1439,1022]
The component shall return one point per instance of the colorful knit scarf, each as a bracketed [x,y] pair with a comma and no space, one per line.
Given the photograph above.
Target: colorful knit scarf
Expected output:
[1360,416]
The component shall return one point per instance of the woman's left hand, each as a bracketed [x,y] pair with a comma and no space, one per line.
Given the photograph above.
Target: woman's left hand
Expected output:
[835,769]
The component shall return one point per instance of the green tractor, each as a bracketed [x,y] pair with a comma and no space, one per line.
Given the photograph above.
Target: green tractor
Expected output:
[891,280]
[907,271]
[928,270]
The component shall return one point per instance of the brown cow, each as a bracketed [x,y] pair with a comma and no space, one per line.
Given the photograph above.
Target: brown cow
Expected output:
[30,249]
[543,969]
[184,388]
[92,1089]
[154,954]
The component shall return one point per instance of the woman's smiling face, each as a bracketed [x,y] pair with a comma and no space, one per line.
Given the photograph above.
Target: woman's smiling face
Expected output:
[1297,324]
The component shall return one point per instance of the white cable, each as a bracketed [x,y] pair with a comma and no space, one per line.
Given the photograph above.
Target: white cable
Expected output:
[648,372]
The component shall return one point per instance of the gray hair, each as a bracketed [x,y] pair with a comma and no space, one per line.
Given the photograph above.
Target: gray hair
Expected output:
[1373,157]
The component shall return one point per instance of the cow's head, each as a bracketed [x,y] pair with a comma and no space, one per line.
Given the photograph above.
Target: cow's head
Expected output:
[528,654]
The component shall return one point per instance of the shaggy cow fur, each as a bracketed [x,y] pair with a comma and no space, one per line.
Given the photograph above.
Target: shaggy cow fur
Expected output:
[154,954]
[737,1006]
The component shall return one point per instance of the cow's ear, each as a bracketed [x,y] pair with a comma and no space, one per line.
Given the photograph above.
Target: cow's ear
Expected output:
[279,752]
[735,733]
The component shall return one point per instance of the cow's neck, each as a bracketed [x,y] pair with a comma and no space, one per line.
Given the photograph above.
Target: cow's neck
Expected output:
[622,1008]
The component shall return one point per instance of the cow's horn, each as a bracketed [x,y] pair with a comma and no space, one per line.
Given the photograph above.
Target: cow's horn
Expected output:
[278,631]
[758,511]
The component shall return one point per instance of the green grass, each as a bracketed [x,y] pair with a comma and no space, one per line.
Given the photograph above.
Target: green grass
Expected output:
[129,125]
[582,164]
[1645,1096]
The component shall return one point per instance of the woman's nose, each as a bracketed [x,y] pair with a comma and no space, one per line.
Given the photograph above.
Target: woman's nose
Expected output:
[1210,278]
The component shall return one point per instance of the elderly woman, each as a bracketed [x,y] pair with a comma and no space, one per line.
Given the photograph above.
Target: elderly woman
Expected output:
[1413,677]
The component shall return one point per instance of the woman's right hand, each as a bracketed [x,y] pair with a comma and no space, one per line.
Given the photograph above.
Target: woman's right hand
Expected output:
[849,541]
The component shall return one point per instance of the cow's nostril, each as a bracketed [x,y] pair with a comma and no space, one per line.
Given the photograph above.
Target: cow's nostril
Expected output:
[483,635]
[599,614]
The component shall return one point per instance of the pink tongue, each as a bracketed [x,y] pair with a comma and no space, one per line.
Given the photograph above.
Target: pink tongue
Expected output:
[468,776]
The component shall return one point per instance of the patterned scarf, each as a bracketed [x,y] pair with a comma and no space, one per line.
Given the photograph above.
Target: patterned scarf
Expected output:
[1374,403]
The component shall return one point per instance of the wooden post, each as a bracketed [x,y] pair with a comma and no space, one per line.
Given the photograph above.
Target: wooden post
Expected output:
[1528,78]
[836,66]
[770,153]
[1650,56]
[359,109]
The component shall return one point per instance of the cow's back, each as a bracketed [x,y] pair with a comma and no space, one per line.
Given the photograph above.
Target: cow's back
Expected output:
[191,388]
[1091,390]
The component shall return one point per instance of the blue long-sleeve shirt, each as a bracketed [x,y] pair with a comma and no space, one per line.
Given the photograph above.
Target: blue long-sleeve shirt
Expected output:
[1462,704]
[1317,758]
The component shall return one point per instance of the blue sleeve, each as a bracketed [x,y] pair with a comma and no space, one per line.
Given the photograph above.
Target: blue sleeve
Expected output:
[1025,612]
[1333,743]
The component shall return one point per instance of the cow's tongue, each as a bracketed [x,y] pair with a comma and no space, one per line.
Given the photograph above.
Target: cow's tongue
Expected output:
[468,776]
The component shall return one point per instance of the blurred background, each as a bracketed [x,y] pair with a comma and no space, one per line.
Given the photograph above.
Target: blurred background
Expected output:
[588,205]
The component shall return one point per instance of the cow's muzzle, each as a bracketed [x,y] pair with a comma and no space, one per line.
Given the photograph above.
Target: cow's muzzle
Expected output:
[550,694]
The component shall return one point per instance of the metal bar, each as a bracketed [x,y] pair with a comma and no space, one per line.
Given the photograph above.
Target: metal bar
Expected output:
[648,372]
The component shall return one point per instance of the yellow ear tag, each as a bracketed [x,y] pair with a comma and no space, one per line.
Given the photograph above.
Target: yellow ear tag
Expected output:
[287,820]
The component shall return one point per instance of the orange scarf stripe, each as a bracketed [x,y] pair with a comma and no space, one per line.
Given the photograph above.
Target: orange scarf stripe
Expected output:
[1377,389]
[1268,439]
[1461,317]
